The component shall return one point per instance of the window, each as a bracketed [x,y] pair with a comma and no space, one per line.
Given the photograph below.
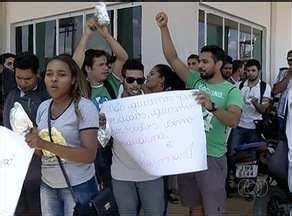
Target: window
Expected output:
[24,38]
[49,41]
[257,38]
[129,30]
[70,32]
[231,38]
[240,39]
[214,30]
[201,29]
[97,42]
[245,42]
[45,42]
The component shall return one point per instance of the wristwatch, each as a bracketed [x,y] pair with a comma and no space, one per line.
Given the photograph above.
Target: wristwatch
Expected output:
[213,108]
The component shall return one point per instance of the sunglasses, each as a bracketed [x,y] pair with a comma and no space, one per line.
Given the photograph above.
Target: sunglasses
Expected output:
[131,80]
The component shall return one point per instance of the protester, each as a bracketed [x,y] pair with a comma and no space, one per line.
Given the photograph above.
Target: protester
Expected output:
[104,82]
[74,122]
[227,68]
[237,69]
[162,78]
[193,61]
[257,98]
[30,92]
[221,102]
[131,184]
[7,60]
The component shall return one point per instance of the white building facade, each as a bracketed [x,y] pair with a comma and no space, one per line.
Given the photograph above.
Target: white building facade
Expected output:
[261,30]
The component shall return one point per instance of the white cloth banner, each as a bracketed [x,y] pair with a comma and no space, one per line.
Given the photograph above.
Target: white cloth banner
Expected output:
[163,132]
[15,156]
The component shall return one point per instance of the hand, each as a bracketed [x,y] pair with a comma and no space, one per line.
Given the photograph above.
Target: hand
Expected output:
[102,30]
[203,99]
[91,25]
[253,99]
[161,19]
[33,140]
[102,120]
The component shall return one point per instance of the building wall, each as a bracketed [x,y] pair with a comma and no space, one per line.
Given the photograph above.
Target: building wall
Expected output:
[276,18]
[281,36]
[2,26]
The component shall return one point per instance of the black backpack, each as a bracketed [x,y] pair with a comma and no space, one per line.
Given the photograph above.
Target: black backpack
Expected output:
[263,86]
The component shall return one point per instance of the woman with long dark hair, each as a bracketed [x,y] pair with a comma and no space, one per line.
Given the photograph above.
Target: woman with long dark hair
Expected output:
[74,122]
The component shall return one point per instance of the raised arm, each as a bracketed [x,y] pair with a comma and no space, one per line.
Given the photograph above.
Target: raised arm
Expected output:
[79,52]
[282,84]
[168,48]
[118,50]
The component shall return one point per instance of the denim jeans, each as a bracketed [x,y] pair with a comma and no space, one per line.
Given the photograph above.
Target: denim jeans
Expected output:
[240,136]
[150,193]
[59,201]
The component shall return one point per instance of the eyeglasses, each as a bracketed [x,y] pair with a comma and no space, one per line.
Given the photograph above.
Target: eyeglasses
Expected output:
[139,80]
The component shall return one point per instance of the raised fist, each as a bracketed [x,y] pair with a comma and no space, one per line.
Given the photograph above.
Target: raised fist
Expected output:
[161,19]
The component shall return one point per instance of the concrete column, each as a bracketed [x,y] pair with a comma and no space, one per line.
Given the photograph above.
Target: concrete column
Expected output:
[2,26]
[281,33]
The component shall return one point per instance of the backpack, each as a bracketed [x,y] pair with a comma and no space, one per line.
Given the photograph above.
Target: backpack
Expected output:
[263,86]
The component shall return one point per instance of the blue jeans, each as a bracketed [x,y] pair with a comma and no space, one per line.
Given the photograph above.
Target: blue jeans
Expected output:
[240,136]
[150,193]
[59,201]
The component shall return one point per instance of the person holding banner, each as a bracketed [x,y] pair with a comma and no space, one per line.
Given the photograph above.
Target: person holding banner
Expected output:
[73,121]
[132,186]
[221,102]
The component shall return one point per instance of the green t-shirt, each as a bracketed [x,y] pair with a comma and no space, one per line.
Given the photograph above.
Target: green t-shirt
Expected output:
[223,94]
[99,94]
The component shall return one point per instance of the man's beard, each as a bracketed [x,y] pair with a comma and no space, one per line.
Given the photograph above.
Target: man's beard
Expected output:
[253,79]
[207,76]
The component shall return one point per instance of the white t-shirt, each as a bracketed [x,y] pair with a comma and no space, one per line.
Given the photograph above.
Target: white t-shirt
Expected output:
[249,112]
[69,126]
[289,136]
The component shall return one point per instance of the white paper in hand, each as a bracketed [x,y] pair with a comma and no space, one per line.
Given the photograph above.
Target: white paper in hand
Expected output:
[15,156]
[19,120]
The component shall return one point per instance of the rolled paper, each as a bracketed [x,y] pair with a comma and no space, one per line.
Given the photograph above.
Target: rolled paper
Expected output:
[19,120]
[56,136]
[101,14]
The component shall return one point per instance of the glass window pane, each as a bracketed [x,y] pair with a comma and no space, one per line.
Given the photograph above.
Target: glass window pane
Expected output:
[231,38]
[70,32]
[129,30]
[201,29]
[245,42]
[96,41]
[257,44]
[45,42]
[214,30]
[24,38]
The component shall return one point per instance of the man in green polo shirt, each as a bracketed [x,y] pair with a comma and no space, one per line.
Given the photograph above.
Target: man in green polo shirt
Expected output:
[221,103]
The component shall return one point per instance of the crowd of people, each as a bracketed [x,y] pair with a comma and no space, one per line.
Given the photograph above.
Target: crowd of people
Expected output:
[66,103]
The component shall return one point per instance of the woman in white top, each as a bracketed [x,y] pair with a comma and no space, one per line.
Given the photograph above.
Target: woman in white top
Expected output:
[74,123]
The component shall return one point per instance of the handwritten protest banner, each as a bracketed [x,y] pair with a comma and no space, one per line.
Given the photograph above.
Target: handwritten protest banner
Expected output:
[163,132]
[15,156]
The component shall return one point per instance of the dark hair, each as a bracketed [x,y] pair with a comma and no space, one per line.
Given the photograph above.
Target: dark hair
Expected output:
[27,60]
[166,72]
[193,56]
[111,59]
[5,56]
[289,52]
[228,60]
[132,64]
[236,65]
[217,52]
[253,62]
[79,88]
[90,54]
